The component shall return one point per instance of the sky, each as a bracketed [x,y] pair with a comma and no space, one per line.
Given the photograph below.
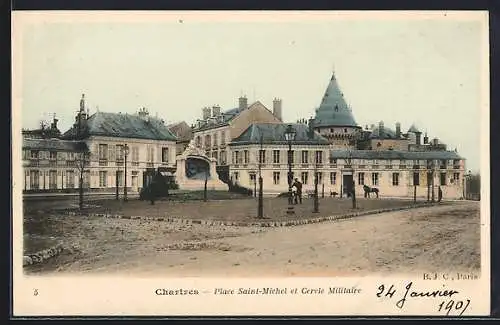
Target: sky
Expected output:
[423,71]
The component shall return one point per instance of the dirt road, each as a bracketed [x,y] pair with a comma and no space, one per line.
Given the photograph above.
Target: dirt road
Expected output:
[426,239]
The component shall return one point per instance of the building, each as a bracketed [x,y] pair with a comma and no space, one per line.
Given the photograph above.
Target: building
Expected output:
[262,149]
[217,129]
[398,164]
[184,134]
[106,135]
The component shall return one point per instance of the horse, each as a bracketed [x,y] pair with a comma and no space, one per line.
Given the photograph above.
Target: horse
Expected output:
[369,190]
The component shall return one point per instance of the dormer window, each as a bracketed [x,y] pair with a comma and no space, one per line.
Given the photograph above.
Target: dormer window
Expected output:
[345,130]
[332,130]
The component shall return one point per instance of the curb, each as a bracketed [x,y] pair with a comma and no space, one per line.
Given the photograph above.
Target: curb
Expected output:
[278,223]
[43,255]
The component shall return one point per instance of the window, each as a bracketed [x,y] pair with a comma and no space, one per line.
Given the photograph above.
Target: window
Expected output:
[429,178]
[305,157]
[135,154]
[53,155]
[361,178]
[252,178]
[345,130]
[416,179]
[443,164]
[456,177]
[237,157]
[333,161]
[442,177]
[375,179]
[103,179]
[245,156]
[304,177]
[70,179]
[34,154]
[395,179]
[151,154]
[319,175]
[53,179]
[198,141]
[207,140]
[119,152]
[276,156]
[215,140]
[262,156]
[223,157]
[332,130]
[86,179]
[276,178]
[34,179]
[119,178]
[103,152]
[164,155]
[236,176]
[223,137]
[375,161]
[319,157]
[333,178]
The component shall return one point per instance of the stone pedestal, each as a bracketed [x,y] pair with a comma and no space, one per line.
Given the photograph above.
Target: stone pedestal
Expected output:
[188,183]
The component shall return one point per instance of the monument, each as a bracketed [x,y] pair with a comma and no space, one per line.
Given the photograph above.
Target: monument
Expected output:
[193,167]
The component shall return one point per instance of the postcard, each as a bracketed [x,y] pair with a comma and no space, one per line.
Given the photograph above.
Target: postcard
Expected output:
[252,163]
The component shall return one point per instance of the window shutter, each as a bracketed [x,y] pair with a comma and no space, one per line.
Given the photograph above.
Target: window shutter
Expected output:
[113,150]
[159,154]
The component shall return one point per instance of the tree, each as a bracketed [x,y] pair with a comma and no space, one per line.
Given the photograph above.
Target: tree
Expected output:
[82,161]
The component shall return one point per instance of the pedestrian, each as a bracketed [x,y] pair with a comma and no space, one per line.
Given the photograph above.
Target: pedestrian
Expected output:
[440,194]
[298,195]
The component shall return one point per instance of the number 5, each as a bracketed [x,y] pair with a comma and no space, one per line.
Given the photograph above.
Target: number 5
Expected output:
[35,292]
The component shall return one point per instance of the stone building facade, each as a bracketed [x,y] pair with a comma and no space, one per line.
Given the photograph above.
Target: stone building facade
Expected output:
[218,128]
[51,164]
[398,163]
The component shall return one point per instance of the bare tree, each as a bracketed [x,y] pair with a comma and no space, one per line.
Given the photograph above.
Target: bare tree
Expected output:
[82,161]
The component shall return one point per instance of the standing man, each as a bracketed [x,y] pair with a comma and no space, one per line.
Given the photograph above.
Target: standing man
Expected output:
[298,186]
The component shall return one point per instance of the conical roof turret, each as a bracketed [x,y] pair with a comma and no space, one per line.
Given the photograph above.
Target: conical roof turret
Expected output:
[334,110]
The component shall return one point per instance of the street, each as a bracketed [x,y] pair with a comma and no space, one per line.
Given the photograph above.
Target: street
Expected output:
[439,238]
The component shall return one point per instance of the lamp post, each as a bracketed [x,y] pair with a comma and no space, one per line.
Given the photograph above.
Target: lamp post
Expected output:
[432,181]
[260,209]
[125,152]
[316,200]
[353,184]
[289,137]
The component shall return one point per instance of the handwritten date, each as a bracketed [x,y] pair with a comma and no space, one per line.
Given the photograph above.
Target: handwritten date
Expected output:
[408,292]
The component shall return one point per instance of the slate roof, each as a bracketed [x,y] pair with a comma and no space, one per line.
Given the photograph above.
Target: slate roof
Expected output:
[53,144]
[273,133]
[333,110]
[396,155]
[125,126]
[227,116]
[181,130]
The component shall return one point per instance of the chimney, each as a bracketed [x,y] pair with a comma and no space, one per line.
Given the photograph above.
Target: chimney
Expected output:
[82,104]
[277,111]
[215,110]
[53,126]
[311,128]
[243,103]
[398,130]
[418,135]
[206,112]
[381,129]
[426,138]
[435,141]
